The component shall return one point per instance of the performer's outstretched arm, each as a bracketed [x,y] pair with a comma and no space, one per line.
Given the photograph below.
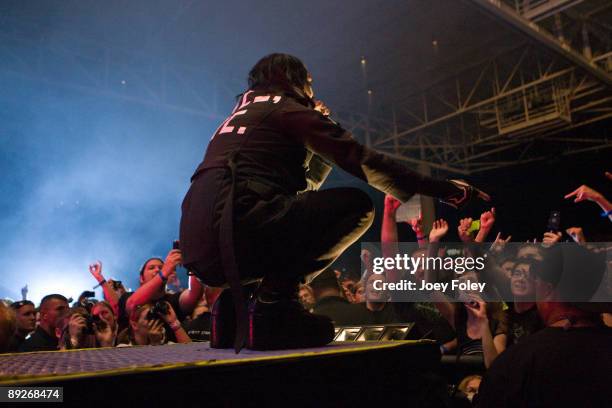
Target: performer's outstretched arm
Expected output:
[317,172]
[326,138]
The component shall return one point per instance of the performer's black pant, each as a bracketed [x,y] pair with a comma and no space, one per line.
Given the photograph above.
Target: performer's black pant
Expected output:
[279,237]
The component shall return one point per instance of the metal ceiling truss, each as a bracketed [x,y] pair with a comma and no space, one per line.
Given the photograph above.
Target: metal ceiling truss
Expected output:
[490,115]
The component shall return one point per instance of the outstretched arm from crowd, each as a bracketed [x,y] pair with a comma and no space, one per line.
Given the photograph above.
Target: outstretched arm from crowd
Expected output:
[109,292]
[417,227]
[438,230]
[388,235]
[492,346]
[487,219]
[584,192]
[146,292]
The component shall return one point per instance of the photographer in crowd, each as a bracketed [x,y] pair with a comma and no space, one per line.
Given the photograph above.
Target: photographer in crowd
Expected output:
[87,327]
[75,330]
[148,324]
[153,277]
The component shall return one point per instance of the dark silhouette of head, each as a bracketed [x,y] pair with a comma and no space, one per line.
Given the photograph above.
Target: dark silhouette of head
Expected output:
[281,72]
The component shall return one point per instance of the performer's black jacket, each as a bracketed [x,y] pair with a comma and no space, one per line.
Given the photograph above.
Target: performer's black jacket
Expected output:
[278,139]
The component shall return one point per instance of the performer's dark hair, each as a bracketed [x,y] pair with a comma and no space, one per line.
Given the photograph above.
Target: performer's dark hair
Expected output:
[279,71]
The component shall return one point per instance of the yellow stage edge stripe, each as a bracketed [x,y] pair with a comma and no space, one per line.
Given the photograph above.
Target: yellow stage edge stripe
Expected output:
[34,379]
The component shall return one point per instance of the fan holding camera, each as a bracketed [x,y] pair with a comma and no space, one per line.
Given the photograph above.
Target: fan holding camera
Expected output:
[152,323]
[80,328]
[154,275]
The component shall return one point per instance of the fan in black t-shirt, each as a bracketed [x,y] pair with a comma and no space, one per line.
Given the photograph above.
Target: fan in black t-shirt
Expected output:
[569,362]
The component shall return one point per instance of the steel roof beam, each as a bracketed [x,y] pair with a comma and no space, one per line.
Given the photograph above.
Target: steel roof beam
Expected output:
[532,30]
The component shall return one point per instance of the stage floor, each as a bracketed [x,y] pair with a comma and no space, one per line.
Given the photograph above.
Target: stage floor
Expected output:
[40,367]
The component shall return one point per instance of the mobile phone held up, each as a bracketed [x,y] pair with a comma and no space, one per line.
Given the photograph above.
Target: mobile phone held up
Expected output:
[554,221]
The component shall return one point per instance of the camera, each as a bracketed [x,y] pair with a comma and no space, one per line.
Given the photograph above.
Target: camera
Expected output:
[90,320]
[159,309]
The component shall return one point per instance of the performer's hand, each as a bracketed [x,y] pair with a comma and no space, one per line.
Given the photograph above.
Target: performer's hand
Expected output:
[465,192]
[321,107]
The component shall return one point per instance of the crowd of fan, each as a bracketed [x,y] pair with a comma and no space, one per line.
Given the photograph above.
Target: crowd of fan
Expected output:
[152,315]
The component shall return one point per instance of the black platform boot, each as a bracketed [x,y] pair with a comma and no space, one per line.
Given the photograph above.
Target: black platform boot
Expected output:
[223,317]
[277,321]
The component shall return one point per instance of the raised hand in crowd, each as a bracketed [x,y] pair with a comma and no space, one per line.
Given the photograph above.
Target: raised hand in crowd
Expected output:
[366,260]
[463,228]
[173,259]
[585,192]
[153,278]
[487,219]
[107,287]
[438,230]
[577,234]
[551,237]
[391,205]
[499,243]
[492,345]
[96,271]
[388,233]
[417,227]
